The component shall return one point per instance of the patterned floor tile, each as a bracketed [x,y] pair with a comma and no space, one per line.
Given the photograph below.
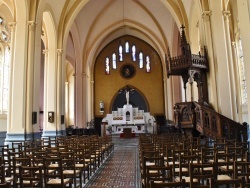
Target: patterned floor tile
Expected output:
[121,169]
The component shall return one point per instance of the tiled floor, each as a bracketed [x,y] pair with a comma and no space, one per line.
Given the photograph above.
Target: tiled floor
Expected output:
[121,169]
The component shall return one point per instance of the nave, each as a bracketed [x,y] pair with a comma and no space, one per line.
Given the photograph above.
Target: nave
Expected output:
[147,161]
[121,169]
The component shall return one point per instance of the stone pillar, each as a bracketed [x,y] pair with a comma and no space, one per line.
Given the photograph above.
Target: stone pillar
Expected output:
[167,97]
[50,127]
[78,97]
[30,80]
[12,26]
[235,68]
[66,102]
[45,107]
[84,101]
[212,94]
[226,15]
[59,92]
[91,115]
[221,59]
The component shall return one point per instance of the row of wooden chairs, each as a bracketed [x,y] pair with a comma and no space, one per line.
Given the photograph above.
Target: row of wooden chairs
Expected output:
[54,162]
[193,161]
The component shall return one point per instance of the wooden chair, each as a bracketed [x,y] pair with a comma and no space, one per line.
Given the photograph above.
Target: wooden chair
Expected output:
[31,176]
[89,158]
[242,170]
[158,174]
[52,152]
[17,162]
[5,185]
[183,168]
[69,168]
[81,164]
[208,154]
[232,183]
[167,184]
[224,166]
[2,174]
[37,158]
[199,175]
[149,161]
[56,179]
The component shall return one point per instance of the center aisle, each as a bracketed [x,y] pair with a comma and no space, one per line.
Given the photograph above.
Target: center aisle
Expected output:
[121,169]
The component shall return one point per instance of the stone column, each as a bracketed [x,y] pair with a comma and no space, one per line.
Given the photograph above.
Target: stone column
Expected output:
[212,94]
[237,80]
[91,115]
[84,100]
[12,26]
[226,15]
[59,100]
[45,107]
[221,59]
[30,80]
[78,81]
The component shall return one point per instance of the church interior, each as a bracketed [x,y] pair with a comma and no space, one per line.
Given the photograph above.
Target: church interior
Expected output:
[90,87]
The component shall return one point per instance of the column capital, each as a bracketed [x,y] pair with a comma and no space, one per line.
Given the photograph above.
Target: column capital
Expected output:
[45,52]
[12,26]
[206,15]
[226,14]
[32,25]
[59,52]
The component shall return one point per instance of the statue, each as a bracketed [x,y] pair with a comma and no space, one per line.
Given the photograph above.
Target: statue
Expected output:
[127,97]
[101,106]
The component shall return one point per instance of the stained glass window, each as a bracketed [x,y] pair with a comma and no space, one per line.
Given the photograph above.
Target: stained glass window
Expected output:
[114,61]
[127,47]
[242,74]
[148,66]
[140,60]
[4,66]
[6,78]
[120,53]
[122,50]
[133,53]
[107,71]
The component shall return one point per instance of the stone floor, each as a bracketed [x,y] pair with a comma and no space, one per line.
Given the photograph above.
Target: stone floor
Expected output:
[121,169]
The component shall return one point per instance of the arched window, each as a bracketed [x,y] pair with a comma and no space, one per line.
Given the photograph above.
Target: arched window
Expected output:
[140,60]
[6,76]
[114,61]
[120,53]
[133,53]
[4,66]
[242,73]
[148,67]
[107,66]
[127,47]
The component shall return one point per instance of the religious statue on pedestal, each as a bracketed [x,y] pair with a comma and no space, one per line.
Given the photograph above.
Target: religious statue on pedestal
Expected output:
[127,97]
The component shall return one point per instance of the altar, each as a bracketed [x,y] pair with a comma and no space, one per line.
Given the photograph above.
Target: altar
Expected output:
[128,117]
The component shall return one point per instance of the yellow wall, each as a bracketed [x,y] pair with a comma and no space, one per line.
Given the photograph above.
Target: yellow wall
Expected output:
[150,85]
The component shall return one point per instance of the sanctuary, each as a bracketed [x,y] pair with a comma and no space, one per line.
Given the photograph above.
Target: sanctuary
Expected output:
[128,117]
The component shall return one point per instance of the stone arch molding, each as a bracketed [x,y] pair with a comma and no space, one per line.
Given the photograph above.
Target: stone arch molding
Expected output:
[74,11]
